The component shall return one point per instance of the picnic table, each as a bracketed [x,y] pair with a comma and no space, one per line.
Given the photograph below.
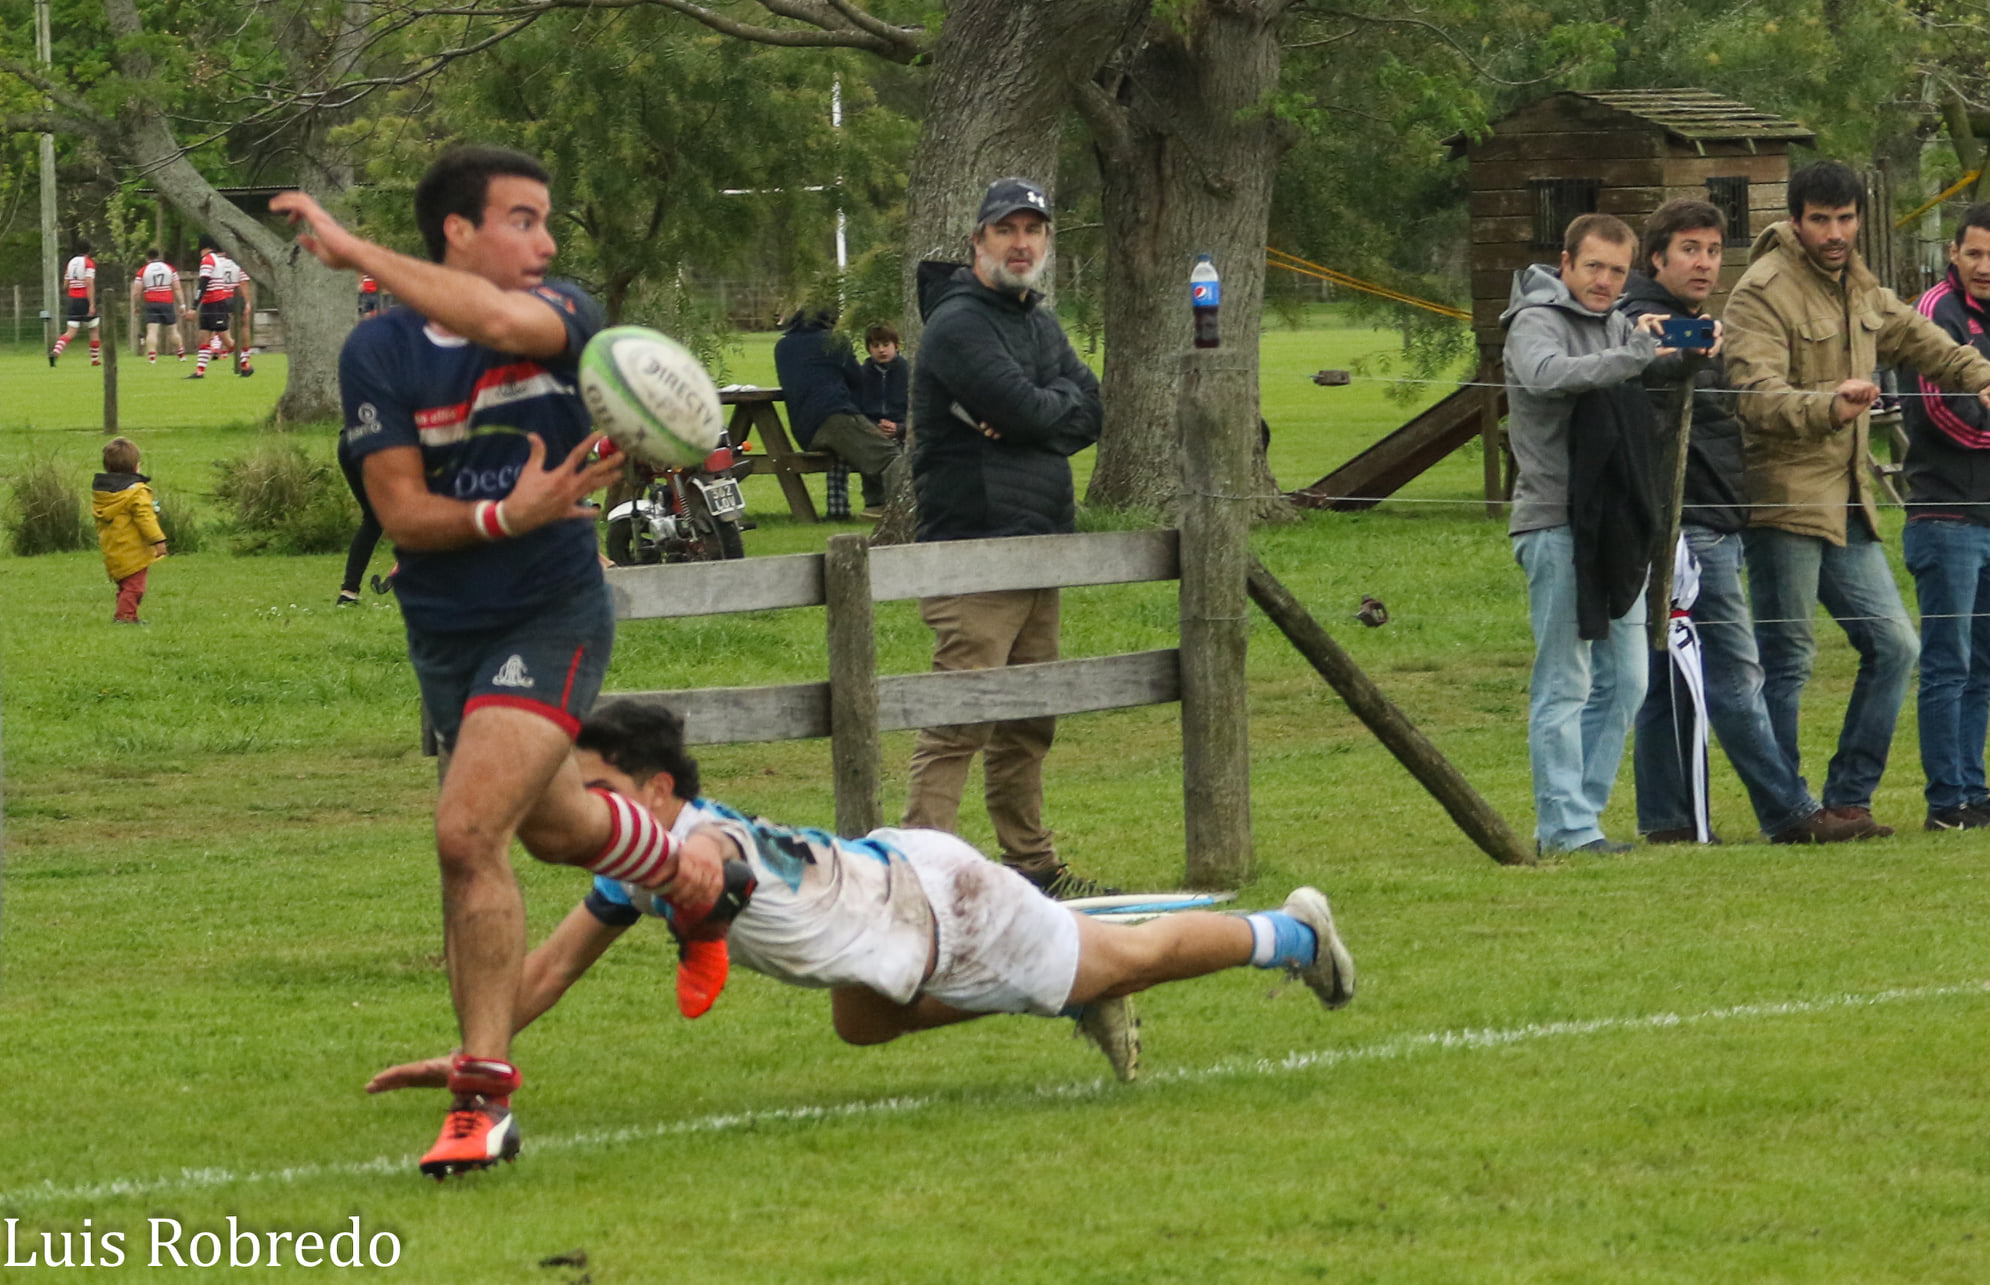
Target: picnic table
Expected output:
[753,412]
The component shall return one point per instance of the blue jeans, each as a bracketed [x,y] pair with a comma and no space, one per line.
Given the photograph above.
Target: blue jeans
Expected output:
[1788,575]
[1735,708]
[1582,696]
[1951,566]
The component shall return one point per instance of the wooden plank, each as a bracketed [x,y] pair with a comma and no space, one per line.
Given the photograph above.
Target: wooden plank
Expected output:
[1404,739]
[1562,145]
[1694,171]
[1517,174]
[945,697]
[739,715]
[716,588]
[1493,203]
[853,687]
[1508,228]
[1022,562]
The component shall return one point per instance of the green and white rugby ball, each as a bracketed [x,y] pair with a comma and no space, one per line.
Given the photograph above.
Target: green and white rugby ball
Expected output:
[650,396]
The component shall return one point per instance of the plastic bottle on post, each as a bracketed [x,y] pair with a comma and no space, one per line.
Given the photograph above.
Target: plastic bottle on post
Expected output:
[1205,294]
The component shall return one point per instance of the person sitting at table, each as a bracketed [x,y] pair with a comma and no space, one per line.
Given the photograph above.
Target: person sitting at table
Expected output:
[820,380]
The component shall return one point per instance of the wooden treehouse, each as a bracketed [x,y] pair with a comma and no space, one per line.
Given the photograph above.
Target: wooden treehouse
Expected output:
[1621,152]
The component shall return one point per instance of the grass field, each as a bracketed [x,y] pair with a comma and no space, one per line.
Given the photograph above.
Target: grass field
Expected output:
[1740,1063]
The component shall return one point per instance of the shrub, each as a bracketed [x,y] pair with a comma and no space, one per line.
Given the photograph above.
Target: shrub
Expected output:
[282,501]
[184,533]
[45,514]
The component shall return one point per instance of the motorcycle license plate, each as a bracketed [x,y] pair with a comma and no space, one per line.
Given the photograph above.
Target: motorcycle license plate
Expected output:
[723,497]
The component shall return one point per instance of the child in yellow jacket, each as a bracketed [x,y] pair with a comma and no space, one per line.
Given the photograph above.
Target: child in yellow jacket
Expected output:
[127,525]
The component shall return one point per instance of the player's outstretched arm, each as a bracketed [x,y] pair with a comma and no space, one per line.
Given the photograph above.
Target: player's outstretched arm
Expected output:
[464,303]
[553,966]
[415,518]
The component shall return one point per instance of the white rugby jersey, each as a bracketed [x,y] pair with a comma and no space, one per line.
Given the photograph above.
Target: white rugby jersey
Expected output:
[827,912]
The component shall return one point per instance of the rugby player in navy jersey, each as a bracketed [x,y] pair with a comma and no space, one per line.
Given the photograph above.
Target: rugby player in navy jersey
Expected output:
[464,424]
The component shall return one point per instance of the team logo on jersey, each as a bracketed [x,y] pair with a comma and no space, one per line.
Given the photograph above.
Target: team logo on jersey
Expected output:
[512,674]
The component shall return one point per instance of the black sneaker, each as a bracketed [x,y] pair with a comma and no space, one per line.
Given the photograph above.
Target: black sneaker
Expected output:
[1967,817]
[1059,884]
[52,355]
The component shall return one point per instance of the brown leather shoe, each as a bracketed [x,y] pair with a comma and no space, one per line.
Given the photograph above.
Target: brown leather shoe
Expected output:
[1833,825]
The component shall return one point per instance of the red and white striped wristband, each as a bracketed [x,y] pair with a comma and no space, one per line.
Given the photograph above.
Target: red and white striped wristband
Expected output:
[488,518]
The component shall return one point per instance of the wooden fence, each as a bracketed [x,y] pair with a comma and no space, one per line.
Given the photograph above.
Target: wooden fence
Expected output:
[855,704]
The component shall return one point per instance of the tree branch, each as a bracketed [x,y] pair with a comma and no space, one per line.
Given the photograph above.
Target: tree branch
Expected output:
[1104,117]
[80,117]
[1457,48]
[828,29]
[878,26]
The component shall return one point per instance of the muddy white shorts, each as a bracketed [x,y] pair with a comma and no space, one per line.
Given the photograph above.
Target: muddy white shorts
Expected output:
[1003,947]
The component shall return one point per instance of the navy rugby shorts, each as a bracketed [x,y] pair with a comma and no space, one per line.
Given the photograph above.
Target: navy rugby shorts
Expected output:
[550,664]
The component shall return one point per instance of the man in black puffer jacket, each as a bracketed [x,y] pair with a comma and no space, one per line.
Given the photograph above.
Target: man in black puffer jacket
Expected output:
[999,404]
[1681,252]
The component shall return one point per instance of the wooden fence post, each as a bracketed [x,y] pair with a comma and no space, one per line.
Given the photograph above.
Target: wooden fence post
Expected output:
[110,319]
[1412,749]
[1216,428]
[853,686]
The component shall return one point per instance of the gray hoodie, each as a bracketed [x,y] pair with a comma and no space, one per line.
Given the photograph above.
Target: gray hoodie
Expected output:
[1556,350]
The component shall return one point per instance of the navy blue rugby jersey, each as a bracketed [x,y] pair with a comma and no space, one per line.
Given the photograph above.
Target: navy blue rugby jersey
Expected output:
[469,409]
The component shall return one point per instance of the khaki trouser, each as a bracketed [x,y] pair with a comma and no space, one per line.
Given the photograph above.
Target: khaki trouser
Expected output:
[984,631]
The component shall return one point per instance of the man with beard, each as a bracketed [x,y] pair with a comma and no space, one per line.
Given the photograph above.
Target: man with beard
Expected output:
[1682,248]
[999,404]
[1807,325]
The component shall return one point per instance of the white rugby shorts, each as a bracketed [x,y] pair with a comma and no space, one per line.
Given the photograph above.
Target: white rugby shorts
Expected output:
[1003,947]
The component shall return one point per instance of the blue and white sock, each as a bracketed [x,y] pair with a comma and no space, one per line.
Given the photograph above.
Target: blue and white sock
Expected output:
[1277,939]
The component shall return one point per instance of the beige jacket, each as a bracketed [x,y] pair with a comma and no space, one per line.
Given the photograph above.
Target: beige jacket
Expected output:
[1793,332]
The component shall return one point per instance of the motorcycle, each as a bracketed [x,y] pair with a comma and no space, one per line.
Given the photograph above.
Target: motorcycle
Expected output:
[682,515]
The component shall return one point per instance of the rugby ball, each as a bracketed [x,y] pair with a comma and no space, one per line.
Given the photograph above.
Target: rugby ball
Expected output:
[650,396]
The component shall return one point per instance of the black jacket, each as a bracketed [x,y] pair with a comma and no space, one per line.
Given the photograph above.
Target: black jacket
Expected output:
[1948,434]
[1613,514]
[885,391]
[1714,487]
[818,375]
[1003,361]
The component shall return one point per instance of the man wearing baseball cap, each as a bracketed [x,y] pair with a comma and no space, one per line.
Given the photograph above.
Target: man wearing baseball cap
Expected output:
[999,404]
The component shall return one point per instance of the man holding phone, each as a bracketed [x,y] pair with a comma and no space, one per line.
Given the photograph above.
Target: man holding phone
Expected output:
[1565,340]
[1807,324]
[1680,256]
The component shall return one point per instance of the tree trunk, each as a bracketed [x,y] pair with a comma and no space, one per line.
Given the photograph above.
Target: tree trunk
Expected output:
[999,86]
[1187,152]
[318,308]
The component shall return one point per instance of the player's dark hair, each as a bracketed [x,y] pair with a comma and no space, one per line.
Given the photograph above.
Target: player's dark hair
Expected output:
[81,247]
[641,738]
[1976,216]
[882,333]
[153,254]
[207,243]
[1829,185]
[1683,214]
[459,182]
[120,455]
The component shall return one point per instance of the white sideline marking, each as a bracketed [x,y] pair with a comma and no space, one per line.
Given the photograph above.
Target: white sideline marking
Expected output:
[188,1180]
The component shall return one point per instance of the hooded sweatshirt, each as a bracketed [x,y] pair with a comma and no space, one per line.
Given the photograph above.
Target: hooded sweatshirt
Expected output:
[127,522]
[818,374]
[1004,361]
[1556,350]
[1714,494]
